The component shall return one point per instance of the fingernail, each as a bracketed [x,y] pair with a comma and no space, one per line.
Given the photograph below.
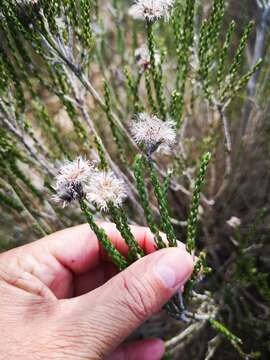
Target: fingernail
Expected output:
[174,268]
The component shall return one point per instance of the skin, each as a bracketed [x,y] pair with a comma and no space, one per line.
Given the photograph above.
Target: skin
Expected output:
[61,298]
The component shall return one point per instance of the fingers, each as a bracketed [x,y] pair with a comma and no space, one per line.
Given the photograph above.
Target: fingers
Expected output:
[152,349]
[57,259]
[78,249]
[117,308]
[66,262]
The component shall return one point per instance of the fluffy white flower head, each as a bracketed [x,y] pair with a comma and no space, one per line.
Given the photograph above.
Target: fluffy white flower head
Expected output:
[104,187]
[26,2]
[74,171]
[71,179]
[153,133]
[151,10]
[234,222]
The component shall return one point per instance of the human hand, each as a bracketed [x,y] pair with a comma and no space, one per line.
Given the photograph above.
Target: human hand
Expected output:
[60,297]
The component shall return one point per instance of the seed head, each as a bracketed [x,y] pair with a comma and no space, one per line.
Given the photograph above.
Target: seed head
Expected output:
[75,171]
[26,2]
[66,193]
[151,10]
[71,179]
[234,222]
[104,187]
[153,133]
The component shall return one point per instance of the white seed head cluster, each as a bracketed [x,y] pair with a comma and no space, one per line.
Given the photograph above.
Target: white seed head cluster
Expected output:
[78,170]
[234,222]
[70,180]
[153,133]
[103,188]
[142,56]
[151,10]
[81,179]
[26,2]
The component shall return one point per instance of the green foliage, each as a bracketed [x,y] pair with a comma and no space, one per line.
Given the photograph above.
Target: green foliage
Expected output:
[114,128]
[184,37]
[10,202]
[139,171]
[121,222]
[234,340]
[156,71]
[132,88]
[166,223]
[224,53]
[70,85]
[223,330]
[149,92]
[194,208]
[110,249]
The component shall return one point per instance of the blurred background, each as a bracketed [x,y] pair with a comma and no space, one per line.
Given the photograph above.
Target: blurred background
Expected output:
[234,212]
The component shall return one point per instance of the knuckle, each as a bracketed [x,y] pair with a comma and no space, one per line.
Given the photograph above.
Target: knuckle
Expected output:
[139,296]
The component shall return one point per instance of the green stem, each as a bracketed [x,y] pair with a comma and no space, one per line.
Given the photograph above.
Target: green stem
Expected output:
[194,208]
[163,205]
[156,71]
[121,223]
[149,91]
[144,199]
[110,249]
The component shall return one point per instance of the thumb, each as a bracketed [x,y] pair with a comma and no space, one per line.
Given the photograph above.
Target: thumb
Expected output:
[116,309]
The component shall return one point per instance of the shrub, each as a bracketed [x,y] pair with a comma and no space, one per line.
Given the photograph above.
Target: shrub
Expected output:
[150,113]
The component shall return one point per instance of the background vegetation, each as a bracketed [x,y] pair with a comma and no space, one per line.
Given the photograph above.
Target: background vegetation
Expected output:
[71,84]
